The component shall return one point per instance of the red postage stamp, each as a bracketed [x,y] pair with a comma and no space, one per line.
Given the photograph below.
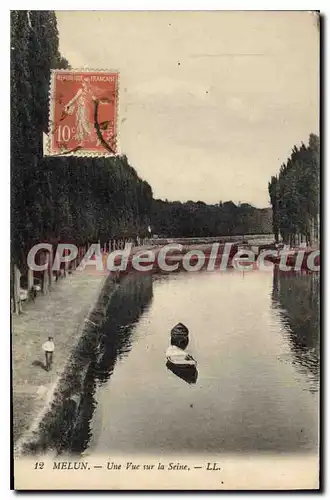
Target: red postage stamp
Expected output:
[83,113]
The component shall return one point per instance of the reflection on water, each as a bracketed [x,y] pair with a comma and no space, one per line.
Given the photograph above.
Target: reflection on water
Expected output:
[248,394]
[256,338]
[66,426]
[297,296]
[126,307]
[189,374]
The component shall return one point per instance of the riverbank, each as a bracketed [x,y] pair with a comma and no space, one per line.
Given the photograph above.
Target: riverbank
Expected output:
[61,314]
[64,424]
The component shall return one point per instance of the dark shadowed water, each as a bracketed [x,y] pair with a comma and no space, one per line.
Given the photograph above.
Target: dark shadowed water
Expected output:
[256,339]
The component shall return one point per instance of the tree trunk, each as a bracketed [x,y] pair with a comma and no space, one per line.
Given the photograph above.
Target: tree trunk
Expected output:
[45,281]
[17,286]
[311,230]
[49,269]
[30,280]
[74,264]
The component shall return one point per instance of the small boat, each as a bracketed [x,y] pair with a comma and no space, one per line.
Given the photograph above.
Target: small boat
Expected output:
[180,342]
[180,331]
[179,358]
[188,374]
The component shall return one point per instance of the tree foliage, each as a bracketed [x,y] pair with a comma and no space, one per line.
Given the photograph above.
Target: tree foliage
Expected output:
[197,219]
[81,200]
[294,193]
[65,198]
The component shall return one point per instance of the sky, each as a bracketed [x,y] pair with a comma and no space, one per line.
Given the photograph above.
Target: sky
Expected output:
[210,103]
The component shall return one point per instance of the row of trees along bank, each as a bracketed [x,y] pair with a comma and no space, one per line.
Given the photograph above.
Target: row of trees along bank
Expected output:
[294,195]
[63,199]
[197,219]
[84,200]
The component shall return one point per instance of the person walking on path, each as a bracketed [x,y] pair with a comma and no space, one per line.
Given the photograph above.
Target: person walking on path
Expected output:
[49,348]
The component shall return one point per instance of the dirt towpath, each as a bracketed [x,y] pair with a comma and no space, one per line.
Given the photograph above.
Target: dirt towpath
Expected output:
[61,313]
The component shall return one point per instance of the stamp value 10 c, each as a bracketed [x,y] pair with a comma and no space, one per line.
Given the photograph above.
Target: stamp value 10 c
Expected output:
[83,113]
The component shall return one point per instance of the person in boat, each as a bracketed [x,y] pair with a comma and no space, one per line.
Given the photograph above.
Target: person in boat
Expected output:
[181,342]
[179,357]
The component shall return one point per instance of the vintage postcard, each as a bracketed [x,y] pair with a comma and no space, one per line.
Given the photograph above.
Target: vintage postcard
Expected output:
[165,250]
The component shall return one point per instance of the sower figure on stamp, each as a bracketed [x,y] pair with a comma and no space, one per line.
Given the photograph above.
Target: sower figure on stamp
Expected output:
[81,104]
[49,348]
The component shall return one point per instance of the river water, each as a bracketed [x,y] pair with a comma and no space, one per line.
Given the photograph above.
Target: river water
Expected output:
[255,336]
